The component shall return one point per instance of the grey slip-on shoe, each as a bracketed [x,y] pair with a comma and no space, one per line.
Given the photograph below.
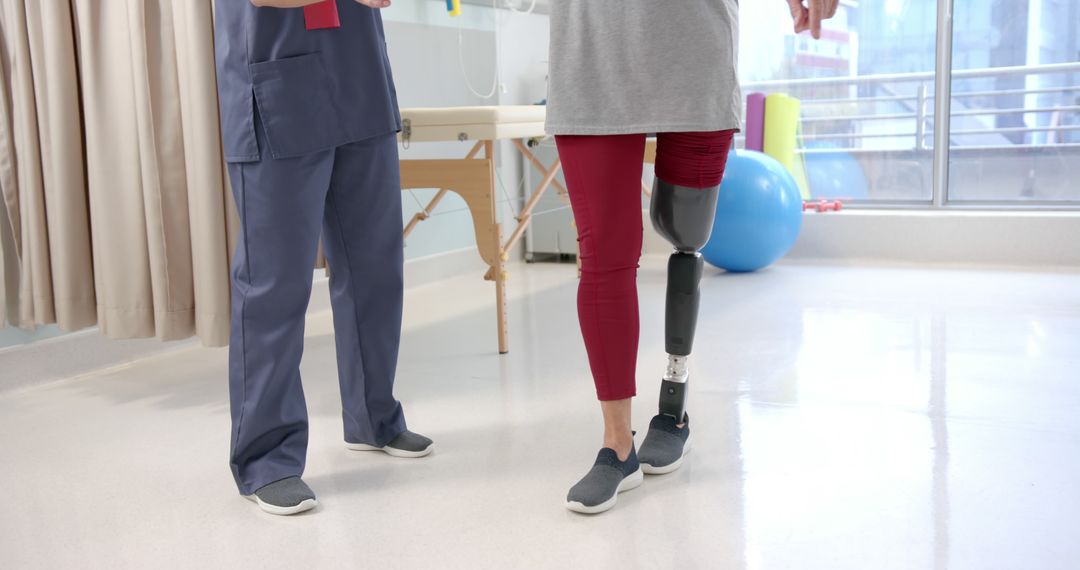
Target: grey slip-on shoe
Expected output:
[407,444]
[599,489]
[665,446]
[285,497]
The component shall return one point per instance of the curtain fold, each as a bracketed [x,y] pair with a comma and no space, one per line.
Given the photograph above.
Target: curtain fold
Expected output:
[114,171]
[9,202]
[59,129]
[209,198]
[111,171]
[33,290]
[161,155]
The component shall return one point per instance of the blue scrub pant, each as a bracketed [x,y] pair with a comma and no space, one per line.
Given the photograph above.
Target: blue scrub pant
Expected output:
[352,196]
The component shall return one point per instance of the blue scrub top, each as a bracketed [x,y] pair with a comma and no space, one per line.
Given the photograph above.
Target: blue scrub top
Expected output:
[313,89]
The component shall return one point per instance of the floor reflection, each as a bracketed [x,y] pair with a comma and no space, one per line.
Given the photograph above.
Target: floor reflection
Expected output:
[936,410]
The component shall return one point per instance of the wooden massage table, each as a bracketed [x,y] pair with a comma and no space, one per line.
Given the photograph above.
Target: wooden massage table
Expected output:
[473,176]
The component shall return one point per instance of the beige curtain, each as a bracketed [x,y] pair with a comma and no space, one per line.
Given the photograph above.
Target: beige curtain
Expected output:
[9,204]
[111,169]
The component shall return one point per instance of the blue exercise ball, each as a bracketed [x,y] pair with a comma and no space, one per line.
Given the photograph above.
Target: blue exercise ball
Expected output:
[835,174]
[758,216]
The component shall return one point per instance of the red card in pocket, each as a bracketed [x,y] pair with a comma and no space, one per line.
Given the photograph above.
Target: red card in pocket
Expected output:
[321,15]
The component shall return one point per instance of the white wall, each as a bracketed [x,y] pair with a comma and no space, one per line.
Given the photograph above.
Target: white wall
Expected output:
[430,69]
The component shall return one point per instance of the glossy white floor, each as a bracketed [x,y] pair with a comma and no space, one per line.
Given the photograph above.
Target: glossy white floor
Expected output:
[845,417]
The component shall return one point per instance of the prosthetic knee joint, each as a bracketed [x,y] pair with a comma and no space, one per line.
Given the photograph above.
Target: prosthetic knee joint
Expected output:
[684,216]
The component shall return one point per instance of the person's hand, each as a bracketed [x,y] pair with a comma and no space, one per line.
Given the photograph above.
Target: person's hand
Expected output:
[375,3]
[808,14]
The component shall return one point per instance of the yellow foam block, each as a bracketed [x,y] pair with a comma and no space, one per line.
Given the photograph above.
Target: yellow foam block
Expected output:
[781,137]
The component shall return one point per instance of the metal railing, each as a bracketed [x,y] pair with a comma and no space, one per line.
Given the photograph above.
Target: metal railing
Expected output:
[916,110]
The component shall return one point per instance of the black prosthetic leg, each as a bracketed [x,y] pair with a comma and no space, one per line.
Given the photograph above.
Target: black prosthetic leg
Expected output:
[684,216]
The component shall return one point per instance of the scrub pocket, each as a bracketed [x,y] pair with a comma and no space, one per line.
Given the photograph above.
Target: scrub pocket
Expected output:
[295,105]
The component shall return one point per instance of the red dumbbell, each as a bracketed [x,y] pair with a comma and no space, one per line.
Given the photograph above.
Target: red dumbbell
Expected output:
[823,206]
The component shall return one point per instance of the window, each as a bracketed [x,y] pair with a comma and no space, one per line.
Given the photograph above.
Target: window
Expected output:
[867,92]
[865,89]
[1015,109]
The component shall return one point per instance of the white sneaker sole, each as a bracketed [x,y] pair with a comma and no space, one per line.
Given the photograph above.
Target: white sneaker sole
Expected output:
[305,505]
[391,450]
[650,470]
[631,481]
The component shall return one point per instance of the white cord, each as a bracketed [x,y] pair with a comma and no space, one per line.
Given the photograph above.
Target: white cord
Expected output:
[465,74]
[461,57]
[512,8]
[498,47]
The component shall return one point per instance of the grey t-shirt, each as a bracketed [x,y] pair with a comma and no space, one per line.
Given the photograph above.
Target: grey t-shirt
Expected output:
[643,66]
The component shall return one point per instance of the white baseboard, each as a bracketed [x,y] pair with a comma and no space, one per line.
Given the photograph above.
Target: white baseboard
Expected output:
[985,238]
[1041,239]
[75,354]
[85,352]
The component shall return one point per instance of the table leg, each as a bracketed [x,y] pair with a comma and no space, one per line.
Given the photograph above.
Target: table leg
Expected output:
[474,180]
[427,211]
[525,217]
[499,269]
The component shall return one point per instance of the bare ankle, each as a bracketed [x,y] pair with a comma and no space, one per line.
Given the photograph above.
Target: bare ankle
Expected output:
[621,443]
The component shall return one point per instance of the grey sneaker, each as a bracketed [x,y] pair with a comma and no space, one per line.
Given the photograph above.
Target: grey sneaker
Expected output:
[665,446]
[285,497]
[407,444]
[600,488]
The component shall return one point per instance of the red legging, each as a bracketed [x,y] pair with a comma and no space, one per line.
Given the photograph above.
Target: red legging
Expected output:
[603,176]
